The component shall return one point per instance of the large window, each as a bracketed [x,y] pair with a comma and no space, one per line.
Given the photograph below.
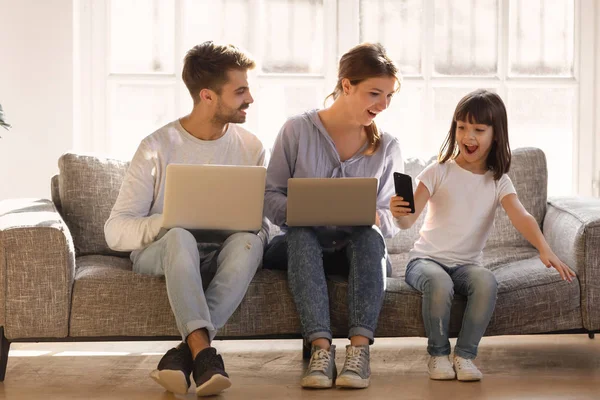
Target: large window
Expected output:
[530,52]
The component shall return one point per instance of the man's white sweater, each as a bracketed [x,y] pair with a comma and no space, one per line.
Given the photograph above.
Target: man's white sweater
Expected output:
[136,218]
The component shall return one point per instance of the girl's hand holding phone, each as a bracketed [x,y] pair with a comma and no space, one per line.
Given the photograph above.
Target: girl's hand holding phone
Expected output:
[399,207]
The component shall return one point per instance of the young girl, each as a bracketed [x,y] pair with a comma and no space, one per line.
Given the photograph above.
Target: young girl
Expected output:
[339,141]
[464,189]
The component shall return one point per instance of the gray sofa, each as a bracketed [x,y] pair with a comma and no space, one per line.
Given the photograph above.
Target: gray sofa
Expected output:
[59,281]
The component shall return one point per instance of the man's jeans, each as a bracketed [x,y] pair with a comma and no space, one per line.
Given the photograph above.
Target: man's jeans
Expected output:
[363,260]
[226,272]
[438,283]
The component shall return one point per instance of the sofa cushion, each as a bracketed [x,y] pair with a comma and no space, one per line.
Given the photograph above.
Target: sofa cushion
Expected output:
[529,176]
[492,258]
[88,188]
[111,300]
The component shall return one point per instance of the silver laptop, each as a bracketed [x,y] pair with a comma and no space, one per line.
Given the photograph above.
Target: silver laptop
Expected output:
[331,201]
[214,197]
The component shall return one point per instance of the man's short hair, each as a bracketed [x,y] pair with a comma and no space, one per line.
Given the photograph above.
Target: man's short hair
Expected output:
[206,65]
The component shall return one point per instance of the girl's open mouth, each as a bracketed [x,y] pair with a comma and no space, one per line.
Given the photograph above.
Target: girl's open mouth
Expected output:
[471,149]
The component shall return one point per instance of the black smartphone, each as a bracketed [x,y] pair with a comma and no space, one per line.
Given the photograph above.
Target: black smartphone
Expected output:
[404,189]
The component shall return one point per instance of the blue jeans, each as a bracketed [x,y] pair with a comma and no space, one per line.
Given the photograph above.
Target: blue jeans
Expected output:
[438,283]
[204,289]
[363,260]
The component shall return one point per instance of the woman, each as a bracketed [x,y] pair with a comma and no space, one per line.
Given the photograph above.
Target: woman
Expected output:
[335,142]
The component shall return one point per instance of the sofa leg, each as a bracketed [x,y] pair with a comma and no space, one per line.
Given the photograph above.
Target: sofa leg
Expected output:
[4,346]
[591,334]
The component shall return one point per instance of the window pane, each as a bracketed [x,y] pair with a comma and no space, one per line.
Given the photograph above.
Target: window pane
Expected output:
[541,37]
[277,32]
[141,36]
[277,101]
[404,119]
[466,37]
[397,24]
[543,118]
[293,36]
[225,21]
[137,110]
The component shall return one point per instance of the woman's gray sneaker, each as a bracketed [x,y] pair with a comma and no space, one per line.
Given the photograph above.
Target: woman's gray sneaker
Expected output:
[321,371]
[356,373]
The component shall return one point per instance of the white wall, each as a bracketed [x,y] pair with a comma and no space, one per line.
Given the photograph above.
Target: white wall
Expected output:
[596,191]
[36,92]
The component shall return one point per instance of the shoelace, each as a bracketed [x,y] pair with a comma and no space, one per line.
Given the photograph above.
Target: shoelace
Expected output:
[436,360]
[319,361]
[464,363]
[353,359]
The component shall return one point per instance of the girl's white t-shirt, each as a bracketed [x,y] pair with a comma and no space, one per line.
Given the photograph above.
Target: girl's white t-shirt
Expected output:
[460,213]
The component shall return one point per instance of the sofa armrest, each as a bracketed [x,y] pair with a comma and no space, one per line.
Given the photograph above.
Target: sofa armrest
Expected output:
[572,228]
[37,261]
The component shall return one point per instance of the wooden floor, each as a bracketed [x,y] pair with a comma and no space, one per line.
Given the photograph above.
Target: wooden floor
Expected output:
[515,367]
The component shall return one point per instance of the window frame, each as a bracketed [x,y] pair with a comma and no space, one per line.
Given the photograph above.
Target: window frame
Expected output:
[92,80]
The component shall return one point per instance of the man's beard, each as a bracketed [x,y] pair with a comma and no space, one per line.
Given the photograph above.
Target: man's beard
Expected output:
[226,116]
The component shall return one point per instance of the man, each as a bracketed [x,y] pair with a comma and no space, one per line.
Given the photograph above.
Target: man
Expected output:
[216,77]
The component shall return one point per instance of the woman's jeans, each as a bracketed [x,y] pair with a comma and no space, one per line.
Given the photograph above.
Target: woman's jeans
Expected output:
[363,260]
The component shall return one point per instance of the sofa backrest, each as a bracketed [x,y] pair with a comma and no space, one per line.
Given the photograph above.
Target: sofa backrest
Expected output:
[87,188]
[529,175]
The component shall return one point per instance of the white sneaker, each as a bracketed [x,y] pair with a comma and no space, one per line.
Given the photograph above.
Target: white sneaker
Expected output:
[466,370]
[440,368]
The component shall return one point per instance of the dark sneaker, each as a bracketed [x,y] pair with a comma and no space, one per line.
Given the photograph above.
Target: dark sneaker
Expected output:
[321,370]
[174,369]
[209,373]
[356,373]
